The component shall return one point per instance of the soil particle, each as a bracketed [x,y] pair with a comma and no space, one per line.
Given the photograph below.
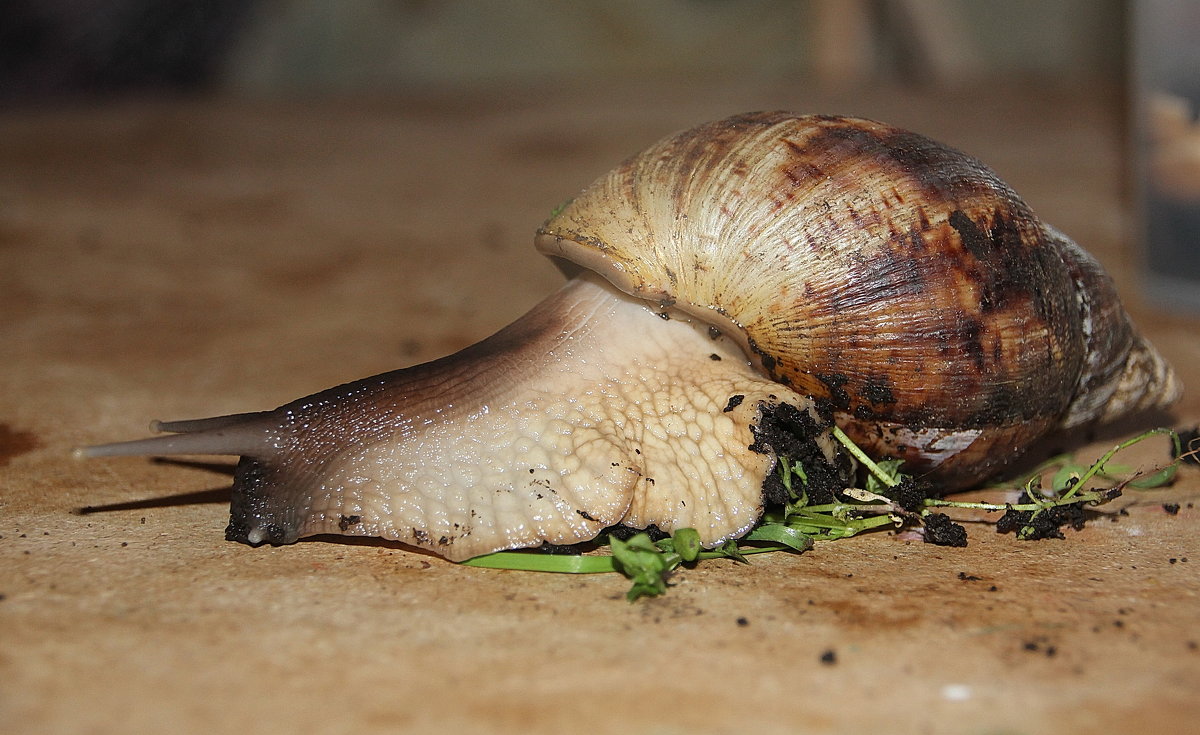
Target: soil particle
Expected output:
[835,383]
[829,657]
[941,531]
[911,493]
[1040,645]
[1171,508]
[1047,523]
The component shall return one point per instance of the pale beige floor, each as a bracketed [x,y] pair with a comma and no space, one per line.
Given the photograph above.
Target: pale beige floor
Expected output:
[190,258]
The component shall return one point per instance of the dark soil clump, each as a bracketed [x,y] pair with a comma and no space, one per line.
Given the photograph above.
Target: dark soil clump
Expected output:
[1046,523]
[790,432]
[624,533]
[911,493]
[941,531]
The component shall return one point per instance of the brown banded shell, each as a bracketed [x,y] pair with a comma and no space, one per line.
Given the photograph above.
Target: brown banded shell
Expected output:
[896,278]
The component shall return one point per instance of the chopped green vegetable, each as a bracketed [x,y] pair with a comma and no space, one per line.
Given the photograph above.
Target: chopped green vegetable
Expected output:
[535,561]
[687,543]
[883,472]
[881,502]
[645,564]
[784,535]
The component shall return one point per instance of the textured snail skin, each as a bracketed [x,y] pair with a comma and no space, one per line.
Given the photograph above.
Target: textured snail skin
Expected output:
[897,279]
[719,280]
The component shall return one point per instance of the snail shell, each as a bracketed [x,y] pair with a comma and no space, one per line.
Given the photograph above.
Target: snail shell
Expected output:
[895,278]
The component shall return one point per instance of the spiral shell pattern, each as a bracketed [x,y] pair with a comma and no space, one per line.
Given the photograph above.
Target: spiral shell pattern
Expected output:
[898,280]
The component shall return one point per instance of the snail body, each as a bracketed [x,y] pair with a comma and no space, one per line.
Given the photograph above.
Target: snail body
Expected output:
[733,290]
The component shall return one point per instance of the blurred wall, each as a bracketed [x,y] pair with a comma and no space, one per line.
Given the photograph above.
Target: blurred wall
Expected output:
[308,44]
[289,46]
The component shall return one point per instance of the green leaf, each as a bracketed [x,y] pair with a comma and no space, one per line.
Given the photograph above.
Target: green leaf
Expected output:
[731,550]
[1160,478]
[797,469]
[789,470]
[889,468]
[645,564]
[1164,475]
[778,533]
[687,543]
[1069,472]
[536,561]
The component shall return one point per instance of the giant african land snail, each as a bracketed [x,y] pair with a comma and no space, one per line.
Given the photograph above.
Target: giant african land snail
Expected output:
[723,275]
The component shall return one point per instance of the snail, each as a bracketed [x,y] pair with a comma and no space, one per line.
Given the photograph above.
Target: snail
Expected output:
[732,290]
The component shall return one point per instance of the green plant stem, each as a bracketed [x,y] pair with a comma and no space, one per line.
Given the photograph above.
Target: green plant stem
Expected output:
[533,561]
[862,457]
[1163,475]
[1084,498]
[744,551]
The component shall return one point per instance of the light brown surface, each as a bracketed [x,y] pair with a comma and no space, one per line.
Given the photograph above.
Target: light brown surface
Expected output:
[190,258]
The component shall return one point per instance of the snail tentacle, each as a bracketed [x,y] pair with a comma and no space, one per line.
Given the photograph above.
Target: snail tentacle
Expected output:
[240,434]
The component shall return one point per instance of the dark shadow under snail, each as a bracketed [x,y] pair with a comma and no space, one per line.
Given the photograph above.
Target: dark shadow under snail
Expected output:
[849,270]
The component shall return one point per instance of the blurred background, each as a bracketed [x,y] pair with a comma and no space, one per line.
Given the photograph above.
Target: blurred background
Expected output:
[1139,56]
[56,47]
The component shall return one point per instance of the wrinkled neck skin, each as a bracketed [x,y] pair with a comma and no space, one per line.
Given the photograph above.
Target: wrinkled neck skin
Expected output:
[592,410]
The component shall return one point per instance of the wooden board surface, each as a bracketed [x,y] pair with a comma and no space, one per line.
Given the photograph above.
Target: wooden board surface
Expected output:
[172,259]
